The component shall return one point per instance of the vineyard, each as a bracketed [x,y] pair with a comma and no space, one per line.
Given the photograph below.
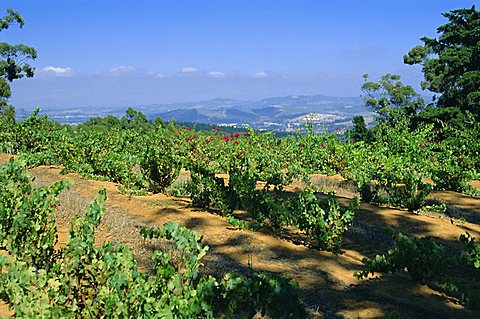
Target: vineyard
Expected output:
[390,219]
[136,218]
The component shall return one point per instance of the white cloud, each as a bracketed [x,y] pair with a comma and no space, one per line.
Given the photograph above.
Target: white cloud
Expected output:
[56,70]
[119,70]
[261,74]
[216,74]
[189,69]
[155,75]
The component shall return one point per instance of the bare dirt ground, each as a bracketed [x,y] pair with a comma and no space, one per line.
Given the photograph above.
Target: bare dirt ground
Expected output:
[326,280]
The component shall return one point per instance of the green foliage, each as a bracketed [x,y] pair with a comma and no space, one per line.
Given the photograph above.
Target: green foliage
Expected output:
[180,189]
[471,251]
[392,170]
[360,131]
[468,297]
[209,191]
[324,221]
[27,225]
[101,124]
[423,258]
[451,66]
[316,153]
[458,156]
[34,134]
[12,63]
[83,280]
[189,246]
[134,120]
[470,256]
[390,98]
[160,163]
[426,260]
[12,17]
[269,295]
[408,159]
[255,182]
[242,224]
[361,165]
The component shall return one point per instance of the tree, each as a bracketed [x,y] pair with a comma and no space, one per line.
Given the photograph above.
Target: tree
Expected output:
[451,63]
[158,122]
[134,119]
[360,131]
[390,98]
[13,64]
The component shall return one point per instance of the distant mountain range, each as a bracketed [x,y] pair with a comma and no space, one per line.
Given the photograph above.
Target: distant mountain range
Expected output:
[279,113]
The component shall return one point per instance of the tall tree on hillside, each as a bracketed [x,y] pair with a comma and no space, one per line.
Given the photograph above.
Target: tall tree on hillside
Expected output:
[13,64]
[451,63]
[390,98]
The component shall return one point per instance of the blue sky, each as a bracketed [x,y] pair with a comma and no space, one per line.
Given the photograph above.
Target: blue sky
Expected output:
[114,53]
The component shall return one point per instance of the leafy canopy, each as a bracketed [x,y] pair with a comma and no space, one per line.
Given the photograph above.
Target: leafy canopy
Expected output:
[360,131]
[390,98]
[451,62]
[13,60]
